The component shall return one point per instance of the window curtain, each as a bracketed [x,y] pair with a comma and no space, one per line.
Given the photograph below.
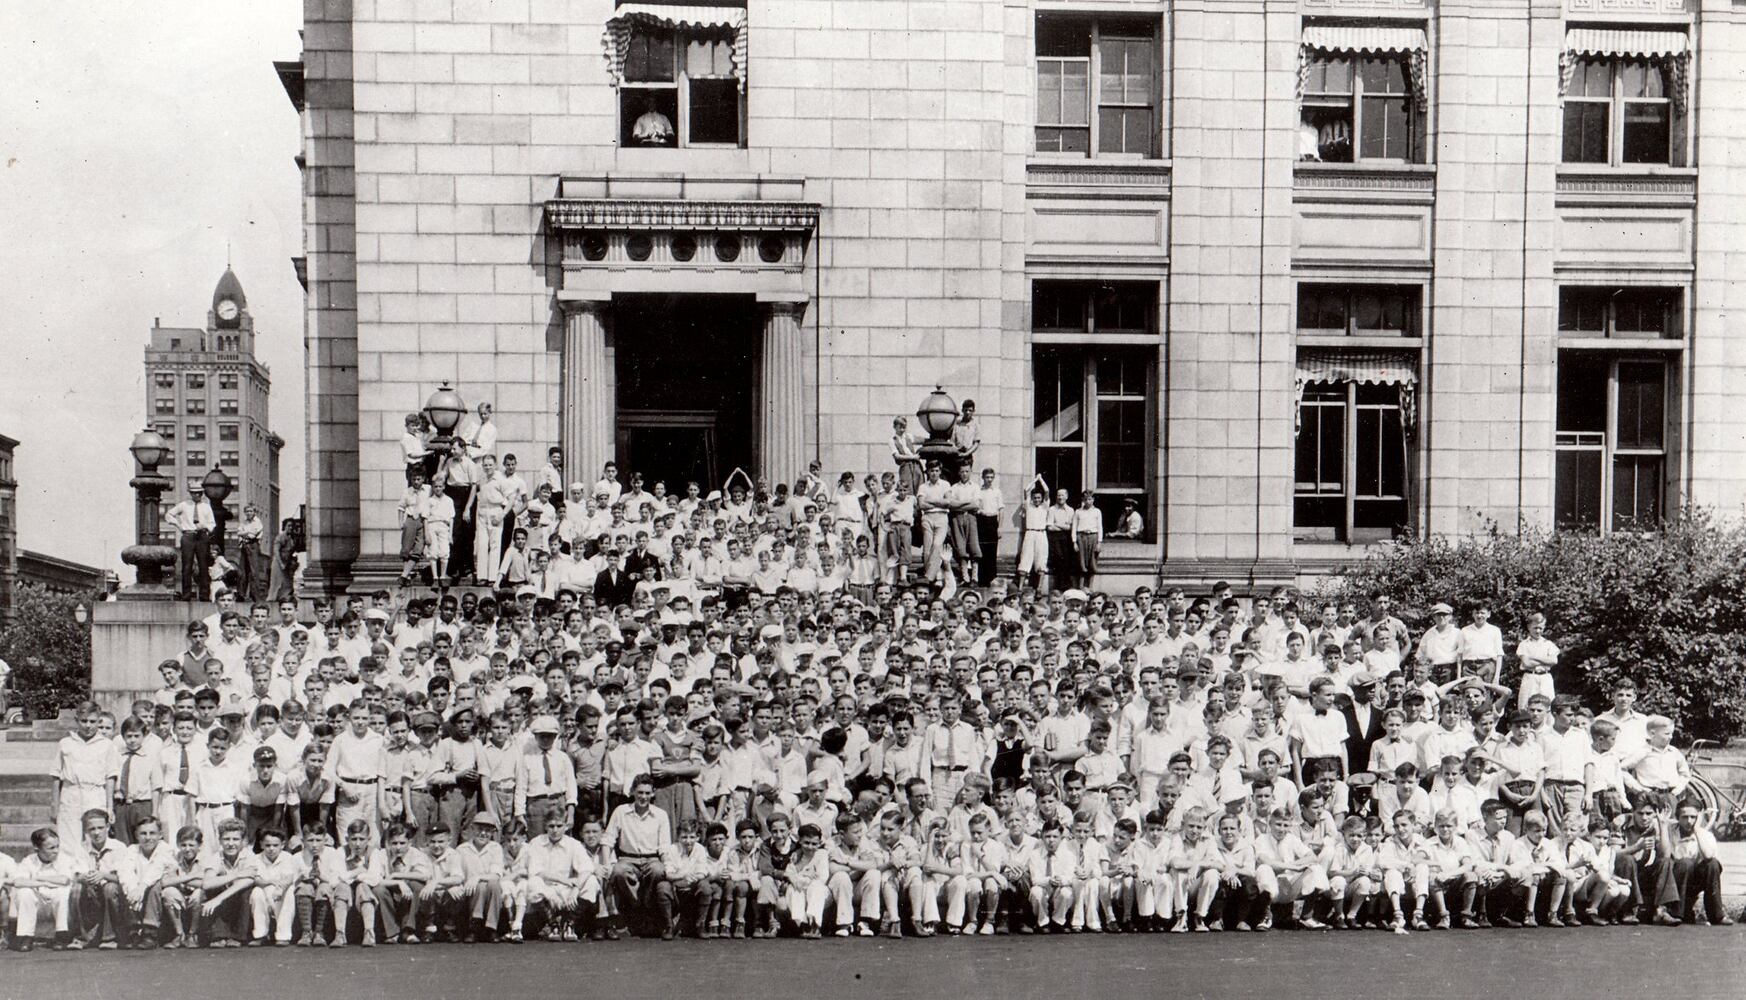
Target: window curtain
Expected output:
[616,38]
[1330,38]
[1380,367]
[1667,49]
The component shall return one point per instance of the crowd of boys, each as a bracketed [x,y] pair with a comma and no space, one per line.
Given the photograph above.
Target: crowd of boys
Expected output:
[655,745]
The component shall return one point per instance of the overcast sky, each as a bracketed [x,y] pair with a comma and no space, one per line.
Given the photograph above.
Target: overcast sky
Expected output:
[139,139]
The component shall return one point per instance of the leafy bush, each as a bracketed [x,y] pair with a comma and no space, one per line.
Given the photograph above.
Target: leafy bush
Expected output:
[48,650]
[1666,609]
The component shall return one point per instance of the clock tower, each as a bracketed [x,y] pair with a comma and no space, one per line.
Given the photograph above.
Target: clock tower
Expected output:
[231,328]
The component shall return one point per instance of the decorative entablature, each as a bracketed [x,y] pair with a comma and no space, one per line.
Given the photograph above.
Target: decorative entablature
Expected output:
[1629,10]
[679,243]
[1367,8]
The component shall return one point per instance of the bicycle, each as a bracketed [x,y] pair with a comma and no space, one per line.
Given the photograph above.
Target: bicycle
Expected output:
[1711,782]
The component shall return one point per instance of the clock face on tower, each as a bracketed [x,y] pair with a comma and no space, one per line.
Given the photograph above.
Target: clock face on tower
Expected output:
[227,310]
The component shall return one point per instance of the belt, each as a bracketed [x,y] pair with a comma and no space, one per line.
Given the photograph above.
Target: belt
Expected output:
[360,781]
[135,802]
[213,805]
[1564,781]
[1099,790]
[952,767]
[637,857]
[177,791]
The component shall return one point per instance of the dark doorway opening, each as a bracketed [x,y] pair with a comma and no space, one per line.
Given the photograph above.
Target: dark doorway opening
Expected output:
[687,370]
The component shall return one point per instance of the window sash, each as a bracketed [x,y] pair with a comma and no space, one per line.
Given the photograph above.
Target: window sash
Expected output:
[1113,125]
[1619,482]
[1611,114]
[1367,106]
[684,47]
[1108,461]
[1366,441]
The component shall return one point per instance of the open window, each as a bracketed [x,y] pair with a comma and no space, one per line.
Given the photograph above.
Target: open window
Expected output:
[1362,94]
[1355,418]
[680,73]
[1624,96]
[1623,313]
[1612,463]
[1098,86]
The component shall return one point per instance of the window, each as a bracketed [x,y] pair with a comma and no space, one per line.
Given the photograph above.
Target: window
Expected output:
[1358,310]
[1092,405]
[227,432]
[1098,86]
[1624,313]
[195,407]
[227,380]
[1619,111]
[229,458]
[196,457]
[196,432]
[196,380]
[1351,479]
[165,431]
[225,406]
[1612,441]
[165,380]
[1360,107]
[680,87]
[164,405]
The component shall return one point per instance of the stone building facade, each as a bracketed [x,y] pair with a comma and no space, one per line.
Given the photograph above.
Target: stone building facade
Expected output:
[1294,275]
[207,395]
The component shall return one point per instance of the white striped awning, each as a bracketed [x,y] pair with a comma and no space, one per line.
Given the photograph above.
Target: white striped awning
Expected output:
[1366,367]
[1643,43]
[694,17]
[1409,42]
[1354,38]
[1672,49]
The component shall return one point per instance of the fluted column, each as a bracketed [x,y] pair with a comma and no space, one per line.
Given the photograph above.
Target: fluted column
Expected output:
[589,408]
[782,394]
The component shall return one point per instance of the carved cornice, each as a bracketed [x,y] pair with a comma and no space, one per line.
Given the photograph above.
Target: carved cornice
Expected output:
[715,216]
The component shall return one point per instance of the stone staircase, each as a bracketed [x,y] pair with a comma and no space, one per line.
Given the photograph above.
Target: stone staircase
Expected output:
[27,755]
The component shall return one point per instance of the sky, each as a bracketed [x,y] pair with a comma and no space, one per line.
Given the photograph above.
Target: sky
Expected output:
[139,145]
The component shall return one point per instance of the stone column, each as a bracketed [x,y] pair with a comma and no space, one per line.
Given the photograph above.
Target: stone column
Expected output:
[589,409]
[782,394]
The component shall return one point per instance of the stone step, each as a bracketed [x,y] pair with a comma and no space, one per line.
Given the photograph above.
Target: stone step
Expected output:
[32,815]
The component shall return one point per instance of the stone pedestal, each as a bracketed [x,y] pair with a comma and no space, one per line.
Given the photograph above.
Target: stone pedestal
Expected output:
[588,406]
[782,394]
[128,641]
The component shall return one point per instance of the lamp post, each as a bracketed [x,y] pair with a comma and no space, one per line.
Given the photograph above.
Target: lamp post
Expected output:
[937,414]
[148,555]
[444,409]
[218,487]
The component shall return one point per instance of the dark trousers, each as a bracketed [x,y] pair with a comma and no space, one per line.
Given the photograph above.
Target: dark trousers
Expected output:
[398,910]
[195,563]
[688,902]
[633,888]
[461,551]
[230,922]
[103,913]
[254,571]
[1245,903]
[988,537]
[1699,877]
[126,815]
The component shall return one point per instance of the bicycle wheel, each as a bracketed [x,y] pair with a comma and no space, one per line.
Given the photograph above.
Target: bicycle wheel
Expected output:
[1707,798]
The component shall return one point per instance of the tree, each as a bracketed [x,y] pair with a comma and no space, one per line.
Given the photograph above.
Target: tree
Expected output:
[48,649]
[1665,608]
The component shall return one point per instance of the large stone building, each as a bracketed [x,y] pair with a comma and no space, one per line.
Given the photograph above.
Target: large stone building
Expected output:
[8,529]
[1296,275]
[207,395]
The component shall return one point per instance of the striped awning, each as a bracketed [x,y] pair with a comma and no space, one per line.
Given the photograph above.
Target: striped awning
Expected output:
[1366,367]
[692,17]
[1343,38]
[1672,49]
[1410,42]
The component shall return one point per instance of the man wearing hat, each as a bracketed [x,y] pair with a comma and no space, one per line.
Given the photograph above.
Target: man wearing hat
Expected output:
[545,777]
[1441,646]
[194,524]
[1363,721]
[1129,524]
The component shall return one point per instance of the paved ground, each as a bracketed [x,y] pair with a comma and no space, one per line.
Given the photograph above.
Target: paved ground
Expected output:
[1596,962]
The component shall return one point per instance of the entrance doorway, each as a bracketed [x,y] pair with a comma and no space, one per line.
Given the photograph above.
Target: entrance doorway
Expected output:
[687,369]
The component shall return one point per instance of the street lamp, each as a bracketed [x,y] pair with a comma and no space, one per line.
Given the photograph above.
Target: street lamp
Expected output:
[148,555]
[217,486]
[937,415]
[81,613]
[444,409]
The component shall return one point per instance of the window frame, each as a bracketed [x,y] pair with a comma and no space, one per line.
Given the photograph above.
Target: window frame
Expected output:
[1344,396]
[1617,105]
[230,458]
[1086,346]
[1102,25]
[194,407]
[680,86]
[195,457]
[229,408]
[227,380]
[1605,443]
[1417,124]
[1673,313]
[1412,310]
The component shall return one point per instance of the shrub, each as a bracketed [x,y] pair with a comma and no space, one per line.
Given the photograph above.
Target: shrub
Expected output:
[1666,609]
[48,650]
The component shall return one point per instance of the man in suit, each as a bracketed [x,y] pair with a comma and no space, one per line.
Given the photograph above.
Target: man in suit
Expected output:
[639,564]
[613,586]
[1363,721]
